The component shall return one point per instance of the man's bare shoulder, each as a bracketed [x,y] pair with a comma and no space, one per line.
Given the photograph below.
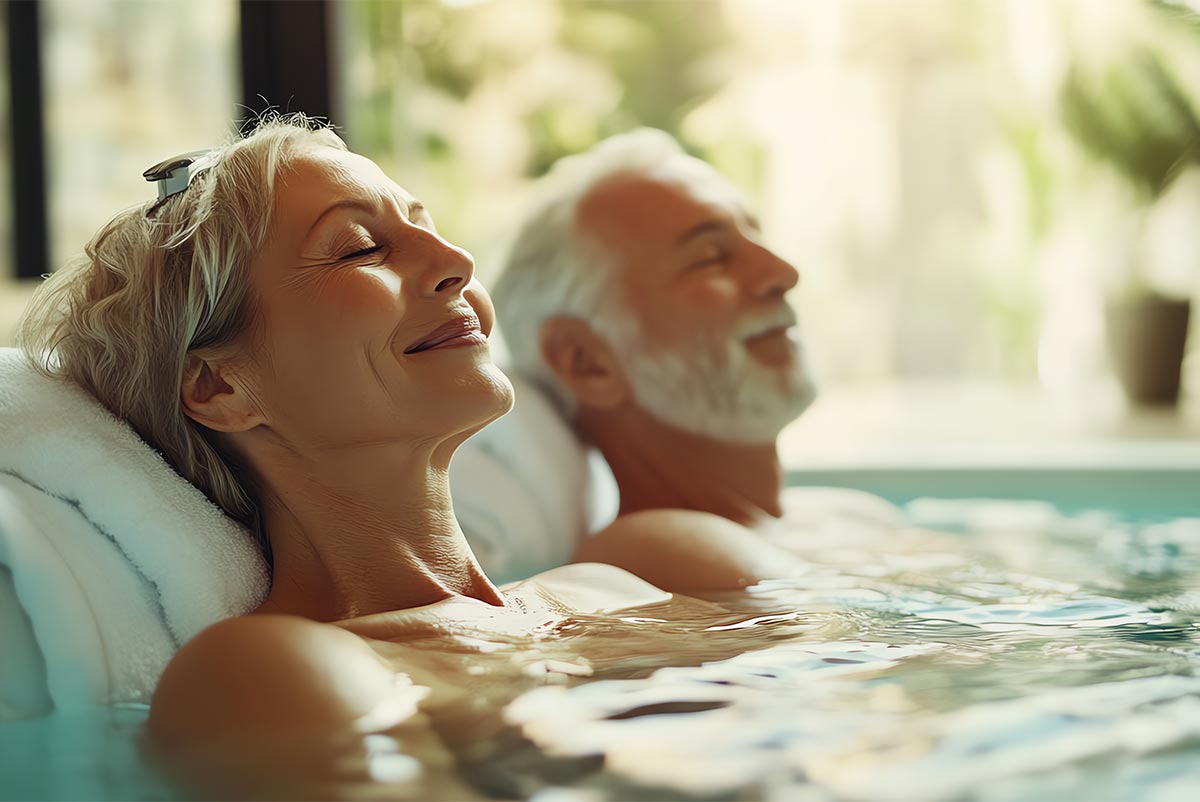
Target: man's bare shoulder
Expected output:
[267,672]
[686,551]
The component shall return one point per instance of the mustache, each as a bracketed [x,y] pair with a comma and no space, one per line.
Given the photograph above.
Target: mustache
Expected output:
[752,326]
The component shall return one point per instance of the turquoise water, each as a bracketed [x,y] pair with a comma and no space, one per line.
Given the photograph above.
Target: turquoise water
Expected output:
[1139,493]
[1015,653]
[1031,656]
[84,755]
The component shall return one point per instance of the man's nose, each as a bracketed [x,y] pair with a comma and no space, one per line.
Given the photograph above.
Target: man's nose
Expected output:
[769,276]
[438,267]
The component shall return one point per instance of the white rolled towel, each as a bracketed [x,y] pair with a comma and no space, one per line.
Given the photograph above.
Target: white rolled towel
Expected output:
[116,559]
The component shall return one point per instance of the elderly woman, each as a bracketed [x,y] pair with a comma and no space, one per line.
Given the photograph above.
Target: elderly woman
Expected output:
[288,328]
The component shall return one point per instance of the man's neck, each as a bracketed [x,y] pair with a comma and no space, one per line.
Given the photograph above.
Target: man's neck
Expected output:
[660,467]
[374,534]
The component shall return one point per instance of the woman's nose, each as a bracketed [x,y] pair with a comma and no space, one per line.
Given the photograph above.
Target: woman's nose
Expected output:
[444,268]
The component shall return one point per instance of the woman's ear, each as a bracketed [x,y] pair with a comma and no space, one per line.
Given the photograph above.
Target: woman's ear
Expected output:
[215,395]
[584,362]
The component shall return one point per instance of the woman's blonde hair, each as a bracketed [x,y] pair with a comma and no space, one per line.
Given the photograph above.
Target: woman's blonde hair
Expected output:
[159,281]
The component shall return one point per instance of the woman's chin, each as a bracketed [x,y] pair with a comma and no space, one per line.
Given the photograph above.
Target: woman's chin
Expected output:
[502,390]
[491,407]
[486,397]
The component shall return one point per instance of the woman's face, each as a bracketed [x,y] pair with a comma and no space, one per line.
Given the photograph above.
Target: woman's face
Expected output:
[372,328]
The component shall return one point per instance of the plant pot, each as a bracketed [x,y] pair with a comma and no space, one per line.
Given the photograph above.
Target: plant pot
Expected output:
[1146,341]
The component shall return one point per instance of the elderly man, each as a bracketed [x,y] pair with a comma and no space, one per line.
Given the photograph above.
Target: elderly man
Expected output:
[639,296]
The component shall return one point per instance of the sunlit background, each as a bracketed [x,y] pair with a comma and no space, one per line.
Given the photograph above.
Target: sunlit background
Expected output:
[976,192]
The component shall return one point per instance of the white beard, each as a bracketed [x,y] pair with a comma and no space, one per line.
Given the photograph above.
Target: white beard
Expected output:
[714,387]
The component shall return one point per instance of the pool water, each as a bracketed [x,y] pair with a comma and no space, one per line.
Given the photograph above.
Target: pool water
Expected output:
[82,755]
[987,650]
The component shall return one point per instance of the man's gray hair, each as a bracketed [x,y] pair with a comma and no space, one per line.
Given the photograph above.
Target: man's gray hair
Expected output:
[551,269]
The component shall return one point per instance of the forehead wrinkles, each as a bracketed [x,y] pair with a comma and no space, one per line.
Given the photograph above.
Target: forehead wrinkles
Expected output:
[613,205]
[340,179]
[312,184]
[359,177]
[653,205]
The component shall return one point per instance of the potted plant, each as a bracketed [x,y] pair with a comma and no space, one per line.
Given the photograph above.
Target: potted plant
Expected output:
[1132,115]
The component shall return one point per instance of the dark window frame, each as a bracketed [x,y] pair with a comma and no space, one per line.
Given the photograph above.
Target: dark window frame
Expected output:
[27,138]
[287,57]
[286,63]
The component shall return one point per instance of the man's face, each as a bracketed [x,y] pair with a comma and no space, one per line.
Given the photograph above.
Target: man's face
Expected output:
[709,341]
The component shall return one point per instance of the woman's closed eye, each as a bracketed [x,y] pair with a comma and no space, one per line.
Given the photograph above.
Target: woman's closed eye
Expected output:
[355,246]
[361,253]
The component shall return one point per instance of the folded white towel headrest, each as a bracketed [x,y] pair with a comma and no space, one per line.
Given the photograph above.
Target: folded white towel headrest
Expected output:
[56,438]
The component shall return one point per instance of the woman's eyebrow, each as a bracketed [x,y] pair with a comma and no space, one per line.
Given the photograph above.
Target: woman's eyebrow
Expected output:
[347,203]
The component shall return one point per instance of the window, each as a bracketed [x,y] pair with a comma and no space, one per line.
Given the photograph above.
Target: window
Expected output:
[127,83]
[913,160]
[910,159]
[98,90]
[6,231]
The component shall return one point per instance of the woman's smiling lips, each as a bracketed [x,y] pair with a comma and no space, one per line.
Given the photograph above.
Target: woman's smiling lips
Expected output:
[457,333]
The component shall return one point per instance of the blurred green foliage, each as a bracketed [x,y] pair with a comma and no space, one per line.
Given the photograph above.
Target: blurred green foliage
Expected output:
[1134,116]
[1131,110]
[897,148]
[655,52]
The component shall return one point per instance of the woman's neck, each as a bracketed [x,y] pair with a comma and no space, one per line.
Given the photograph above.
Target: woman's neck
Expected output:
[365,531]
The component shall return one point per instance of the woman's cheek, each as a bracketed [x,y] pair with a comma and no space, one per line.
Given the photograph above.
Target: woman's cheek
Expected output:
[359,299]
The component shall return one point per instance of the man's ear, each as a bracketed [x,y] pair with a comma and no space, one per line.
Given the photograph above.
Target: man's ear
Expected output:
[215,395]
[584,362]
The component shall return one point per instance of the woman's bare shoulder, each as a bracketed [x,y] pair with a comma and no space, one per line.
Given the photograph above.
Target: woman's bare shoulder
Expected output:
[593,588]
[267,672]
